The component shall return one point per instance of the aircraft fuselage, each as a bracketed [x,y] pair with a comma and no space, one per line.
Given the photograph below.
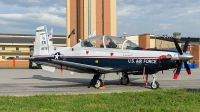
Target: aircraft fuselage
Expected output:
[118,60]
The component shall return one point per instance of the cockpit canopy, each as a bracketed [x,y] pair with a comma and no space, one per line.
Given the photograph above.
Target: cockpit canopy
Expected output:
[108,42]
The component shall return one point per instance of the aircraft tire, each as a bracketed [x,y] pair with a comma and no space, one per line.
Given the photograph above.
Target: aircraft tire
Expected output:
[155,86]
[99,83]
[124,80]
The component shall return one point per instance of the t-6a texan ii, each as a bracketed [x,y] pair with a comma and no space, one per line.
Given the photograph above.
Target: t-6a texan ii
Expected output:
[108,54]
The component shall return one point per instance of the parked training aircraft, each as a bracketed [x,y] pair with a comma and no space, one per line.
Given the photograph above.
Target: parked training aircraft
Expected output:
[108,54]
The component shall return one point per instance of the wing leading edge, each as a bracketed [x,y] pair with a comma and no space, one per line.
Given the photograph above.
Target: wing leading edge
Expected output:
[57,63]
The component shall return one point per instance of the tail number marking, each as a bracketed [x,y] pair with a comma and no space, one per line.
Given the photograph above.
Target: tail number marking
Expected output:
[43,42]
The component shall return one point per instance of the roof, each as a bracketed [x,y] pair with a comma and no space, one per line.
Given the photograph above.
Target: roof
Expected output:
[28,38]
[182,40]
[8,34]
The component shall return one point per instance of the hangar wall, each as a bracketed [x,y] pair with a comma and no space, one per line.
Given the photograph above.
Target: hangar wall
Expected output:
[195,51]
[144,40]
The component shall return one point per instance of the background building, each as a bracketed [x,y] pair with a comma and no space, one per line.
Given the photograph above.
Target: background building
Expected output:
[21,45]
[87,16]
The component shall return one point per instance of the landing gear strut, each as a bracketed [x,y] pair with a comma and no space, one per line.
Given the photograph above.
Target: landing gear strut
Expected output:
[154,84]
[96,81]
[124,78]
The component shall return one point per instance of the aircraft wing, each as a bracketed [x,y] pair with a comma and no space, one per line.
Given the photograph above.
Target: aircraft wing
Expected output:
[78,65]
[57,63]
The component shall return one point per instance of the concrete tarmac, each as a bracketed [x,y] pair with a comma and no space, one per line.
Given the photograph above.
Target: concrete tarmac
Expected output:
[20,82]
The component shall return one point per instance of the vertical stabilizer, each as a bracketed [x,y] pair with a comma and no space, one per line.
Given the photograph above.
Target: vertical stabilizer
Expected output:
[41,45]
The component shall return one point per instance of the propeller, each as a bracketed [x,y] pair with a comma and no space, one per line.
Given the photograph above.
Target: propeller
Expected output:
[183,58]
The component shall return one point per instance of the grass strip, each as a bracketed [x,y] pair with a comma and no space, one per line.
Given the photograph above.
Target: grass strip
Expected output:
[158,100]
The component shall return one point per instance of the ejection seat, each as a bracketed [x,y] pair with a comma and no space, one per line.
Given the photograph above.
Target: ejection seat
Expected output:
[112,45]
[101,46]
[87,44]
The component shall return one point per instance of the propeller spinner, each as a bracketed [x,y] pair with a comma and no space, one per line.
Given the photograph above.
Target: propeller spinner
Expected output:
[183,58]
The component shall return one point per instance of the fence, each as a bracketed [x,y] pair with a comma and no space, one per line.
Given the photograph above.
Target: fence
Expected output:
[14,64]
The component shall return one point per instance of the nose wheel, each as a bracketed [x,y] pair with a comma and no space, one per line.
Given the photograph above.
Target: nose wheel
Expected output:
[154,83]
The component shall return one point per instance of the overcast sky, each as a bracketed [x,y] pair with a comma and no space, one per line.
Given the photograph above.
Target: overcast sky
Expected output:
[133,16]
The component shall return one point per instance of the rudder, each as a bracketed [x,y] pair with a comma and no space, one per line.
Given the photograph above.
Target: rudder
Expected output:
[41,44]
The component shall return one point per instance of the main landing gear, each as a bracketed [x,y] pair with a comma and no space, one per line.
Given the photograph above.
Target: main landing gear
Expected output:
[97,82]
[125,79]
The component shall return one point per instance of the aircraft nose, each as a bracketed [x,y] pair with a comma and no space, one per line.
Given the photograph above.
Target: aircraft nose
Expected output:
[190,56]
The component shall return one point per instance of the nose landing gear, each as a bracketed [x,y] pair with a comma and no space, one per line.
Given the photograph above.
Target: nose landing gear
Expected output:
[154,83]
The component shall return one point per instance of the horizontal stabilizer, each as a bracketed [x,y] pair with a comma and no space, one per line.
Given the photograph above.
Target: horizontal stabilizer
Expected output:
[22,58]
[48,68]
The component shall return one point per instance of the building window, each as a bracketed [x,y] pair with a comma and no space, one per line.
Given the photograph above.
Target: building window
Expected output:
[3,48]
[44,48]
[17,48]
[3,57]
[17,56]
[31,48]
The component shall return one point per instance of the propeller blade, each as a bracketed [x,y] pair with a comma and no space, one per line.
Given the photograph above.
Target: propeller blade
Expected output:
[186,45]
[177,71]
[177,46]
[187,68]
